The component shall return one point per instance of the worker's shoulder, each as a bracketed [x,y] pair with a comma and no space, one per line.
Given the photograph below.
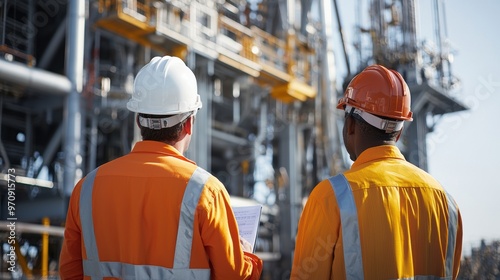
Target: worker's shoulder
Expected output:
[323,190]
[396,173]
[419,175]
[115,163]
[213,184]
[213,189]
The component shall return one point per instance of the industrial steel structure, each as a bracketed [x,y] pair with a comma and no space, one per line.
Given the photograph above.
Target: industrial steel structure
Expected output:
[266,74]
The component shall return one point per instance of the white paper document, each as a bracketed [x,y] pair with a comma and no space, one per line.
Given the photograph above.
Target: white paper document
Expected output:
[248,219]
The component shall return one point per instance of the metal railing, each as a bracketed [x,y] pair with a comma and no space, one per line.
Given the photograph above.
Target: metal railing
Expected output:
[185,23]
[271,50]
[17,257]
[236,38]
[139,9]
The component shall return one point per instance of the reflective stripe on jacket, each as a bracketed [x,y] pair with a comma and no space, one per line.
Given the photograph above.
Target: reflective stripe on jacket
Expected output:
[350,238]
[96,269]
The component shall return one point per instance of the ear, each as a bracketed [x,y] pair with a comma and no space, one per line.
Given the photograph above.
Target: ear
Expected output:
[399,135]
[350,125]
[188,125]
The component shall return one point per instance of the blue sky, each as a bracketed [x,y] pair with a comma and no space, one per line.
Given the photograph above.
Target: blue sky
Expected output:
[464,148]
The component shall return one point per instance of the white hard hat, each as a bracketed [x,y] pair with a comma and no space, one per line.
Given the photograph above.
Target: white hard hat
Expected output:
[165,86]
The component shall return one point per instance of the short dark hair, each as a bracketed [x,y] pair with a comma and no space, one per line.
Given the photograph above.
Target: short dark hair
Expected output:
[168,135]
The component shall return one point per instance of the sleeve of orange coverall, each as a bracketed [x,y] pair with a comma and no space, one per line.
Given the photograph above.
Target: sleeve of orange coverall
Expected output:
[317,235]
[70,260]
[458,247]
[221,238]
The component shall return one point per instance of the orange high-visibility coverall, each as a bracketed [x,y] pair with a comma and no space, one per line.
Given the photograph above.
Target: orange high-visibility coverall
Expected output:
[403,223]
[136,208]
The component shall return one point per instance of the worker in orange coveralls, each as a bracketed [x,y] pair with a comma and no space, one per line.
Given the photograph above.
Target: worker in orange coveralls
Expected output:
[153,213]
[384,218]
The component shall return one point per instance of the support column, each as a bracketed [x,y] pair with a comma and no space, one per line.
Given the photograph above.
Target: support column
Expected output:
[201,143]
[290,196]
[74,72]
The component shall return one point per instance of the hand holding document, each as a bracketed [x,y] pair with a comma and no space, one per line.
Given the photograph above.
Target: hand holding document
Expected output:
[245,245]
[248,219]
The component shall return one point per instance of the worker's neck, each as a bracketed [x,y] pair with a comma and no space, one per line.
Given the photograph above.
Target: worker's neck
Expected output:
[371,144]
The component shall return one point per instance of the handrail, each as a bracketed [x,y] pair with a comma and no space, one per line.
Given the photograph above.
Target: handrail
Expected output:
[13,227]
[272,50]
[33,228]
[140,8]
[242,35]
[285,58]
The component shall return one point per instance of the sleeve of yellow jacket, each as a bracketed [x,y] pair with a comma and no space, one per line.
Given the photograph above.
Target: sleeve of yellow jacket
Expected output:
[217,226]
[320,219]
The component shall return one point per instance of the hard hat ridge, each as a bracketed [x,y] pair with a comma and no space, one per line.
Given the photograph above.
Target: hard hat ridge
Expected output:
[165,86]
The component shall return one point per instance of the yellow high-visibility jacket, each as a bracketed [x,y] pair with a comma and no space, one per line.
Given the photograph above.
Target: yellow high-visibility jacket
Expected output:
[382,219]
[124,222]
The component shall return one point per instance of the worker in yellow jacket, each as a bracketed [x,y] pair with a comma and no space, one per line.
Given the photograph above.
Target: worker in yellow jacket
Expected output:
[384,218]
[153,213]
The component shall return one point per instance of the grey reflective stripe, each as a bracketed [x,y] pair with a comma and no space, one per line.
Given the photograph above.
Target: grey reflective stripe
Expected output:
[88,225]
[97,270]
[452,234]
[133,272]
[426,277]
[186,220]
[350,232]
[350,229]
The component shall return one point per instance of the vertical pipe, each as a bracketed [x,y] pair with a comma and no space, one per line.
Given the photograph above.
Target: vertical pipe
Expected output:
[291,195]
[45,249]
[290,12]
[4,23]
[3,151]
[92,145]
[236,103]
[30,47]
[74,72]
[28,143]
[92,160]
[328,85]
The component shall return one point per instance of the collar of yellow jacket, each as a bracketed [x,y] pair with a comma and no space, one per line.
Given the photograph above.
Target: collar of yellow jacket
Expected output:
[378,153]
[148,146]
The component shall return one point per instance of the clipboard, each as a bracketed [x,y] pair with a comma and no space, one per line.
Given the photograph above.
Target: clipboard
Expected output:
[248,219]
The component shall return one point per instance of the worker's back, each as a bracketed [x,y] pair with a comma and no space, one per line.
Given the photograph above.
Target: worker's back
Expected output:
[403,215]
[137,203]
[402,219]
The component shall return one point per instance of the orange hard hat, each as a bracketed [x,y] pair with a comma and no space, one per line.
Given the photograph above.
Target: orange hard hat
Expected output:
[379,91]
